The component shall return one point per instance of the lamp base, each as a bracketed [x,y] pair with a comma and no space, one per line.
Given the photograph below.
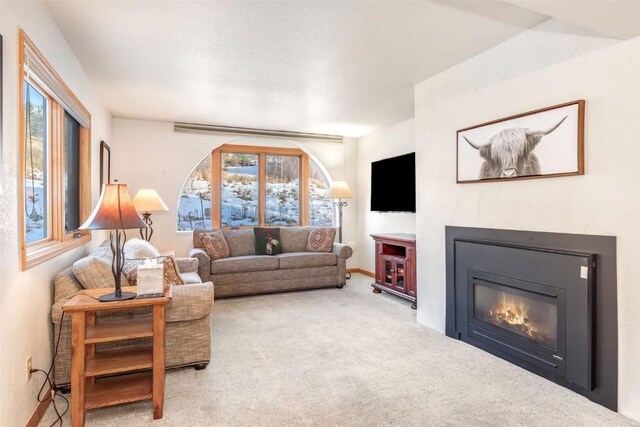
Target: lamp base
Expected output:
[114,297]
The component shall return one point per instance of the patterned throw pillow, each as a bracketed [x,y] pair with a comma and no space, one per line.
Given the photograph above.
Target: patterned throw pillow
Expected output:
[94,272]
[214,244]
[267,240]
[321,239]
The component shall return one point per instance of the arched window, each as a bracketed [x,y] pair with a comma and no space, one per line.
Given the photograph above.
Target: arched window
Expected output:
[248,178]
[194,206]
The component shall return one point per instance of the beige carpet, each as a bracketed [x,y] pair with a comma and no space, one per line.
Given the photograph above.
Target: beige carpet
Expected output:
[353,358]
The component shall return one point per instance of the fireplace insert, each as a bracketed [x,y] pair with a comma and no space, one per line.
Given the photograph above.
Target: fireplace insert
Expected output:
[543,301]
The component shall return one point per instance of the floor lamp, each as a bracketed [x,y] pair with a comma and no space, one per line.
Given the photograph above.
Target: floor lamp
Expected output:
[339,190]
[115,212]
[147,201]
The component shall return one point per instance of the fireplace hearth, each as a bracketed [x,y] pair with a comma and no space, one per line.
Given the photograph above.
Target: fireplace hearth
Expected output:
[543,301]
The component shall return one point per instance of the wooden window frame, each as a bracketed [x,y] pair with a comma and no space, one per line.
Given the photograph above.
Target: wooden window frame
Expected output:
[262,152]
[60,99]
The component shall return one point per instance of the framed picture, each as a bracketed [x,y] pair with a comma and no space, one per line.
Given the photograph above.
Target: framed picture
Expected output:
[543,143]
[105,164]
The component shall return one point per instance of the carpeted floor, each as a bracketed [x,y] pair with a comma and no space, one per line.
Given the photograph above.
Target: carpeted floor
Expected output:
[352,358]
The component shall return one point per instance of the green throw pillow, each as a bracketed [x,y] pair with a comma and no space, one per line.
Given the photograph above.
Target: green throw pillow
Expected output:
[267,240]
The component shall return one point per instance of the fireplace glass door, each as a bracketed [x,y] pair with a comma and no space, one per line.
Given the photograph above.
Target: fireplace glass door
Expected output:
[525,314]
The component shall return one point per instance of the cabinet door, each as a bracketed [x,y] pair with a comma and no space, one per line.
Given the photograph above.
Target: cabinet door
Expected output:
[400,278]
[411,272]
[379,264]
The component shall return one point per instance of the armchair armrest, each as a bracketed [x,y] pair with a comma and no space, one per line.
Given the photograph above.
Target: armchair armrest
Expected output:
[342,250]
[190,302]
[204,263]
[187,265]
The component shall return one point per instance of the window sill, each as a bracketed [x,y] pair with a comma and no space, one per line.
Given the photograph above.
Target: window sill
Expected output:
[41,252]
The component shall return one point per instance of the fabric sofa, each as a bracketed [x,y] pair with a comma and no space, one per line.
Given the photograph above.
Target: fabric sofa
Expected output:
[245,273]
[188,320]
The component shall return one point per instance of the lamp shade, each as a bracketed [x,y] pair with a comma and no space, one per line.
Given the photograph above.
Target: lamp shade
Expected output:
[114,210]
[339,190]
[148,200]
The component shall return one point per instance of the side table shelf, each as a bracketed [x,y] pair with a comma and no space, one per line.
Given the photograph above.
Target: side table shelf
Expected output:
[125,383]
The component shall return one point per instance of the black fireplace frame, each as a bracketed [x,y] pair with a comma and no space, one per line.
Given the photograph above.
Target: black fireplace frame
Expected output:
[602,383]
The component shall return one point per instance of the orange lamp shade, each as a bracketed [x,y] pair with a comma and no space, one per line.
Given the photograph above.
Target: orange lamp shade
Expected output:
[114,210]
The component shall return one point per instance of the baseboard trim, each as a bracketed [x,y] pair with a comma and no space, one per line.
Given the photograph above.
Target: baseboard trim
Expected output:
[361,271]
[37,415]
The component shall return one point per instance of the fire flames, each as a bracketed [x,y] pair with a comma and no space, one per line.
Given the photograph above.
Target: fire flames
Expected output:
[512,314]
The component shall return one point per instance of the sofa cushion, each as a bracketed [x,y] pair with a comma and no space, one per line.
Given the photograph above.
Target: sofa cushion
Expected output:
[214,244]
[241,242]
[93,272]
[294,239]
[243,264]
[321,239]
[267,240]
[190,277]
[306,259]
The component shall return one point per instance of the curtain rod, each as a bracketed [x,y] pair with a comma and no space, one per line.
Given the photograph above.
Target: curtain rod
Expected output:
[199,128]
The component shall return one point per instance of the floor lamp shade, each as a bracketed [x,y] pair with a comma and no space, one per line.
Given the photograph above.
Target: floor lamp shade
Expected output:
[115,211]
[147,201]
[339,190]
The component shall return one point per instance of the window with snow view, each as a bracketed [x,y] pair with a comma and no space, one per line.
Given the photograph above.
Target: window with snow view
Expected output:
[239,190]
[254,186]
[320,209]
[194,207]
[283,190]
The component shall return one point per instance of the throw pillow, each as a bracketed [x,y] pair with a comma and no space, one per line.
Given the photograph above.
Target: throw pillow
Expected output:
[138,248]
[321,239]
[93,272]
[214,244]
[267,240]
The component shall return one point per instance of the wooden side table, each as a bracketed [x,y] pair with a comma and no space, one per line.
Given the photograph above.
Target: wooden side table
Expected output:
[88,391]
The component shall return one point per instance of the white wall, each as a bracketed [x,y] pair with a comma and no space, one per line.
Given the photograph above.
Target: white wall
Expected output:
[389,142]
[601,202]
[149,154]
[26,297]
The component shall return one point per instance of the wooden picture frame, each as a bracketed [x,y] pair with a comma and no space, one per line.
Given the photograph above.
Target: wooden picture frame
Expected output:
[543,143]
[105,164]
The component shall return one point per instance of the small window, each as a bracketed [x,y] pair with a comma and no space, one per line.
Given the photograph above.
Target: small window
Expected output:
[194,207]
[71,173]
[283,190]
[36,166]
[320,209]
[239,190]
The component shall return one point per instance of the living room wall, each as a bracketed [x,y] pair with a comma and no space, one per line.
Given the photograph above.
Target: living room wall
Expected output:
[497,84]
[388,142]
[149,154]
[26,297]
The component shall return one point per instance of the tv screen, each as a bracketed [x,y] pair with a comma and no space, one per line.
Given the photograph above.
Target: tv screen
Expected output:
[393,184]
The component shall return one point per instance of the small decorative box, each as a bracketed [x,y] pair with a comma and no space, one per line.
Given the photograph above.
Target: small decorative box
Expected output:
[150,279]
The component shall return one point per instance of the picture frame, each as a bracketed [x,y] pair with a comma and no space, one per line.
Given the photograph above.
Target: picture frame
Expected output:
[543,143]
[105,164]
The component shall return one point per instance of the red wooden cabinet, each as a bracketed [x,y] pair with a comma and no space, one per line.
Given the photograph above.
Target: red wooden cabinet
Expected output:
[396,265]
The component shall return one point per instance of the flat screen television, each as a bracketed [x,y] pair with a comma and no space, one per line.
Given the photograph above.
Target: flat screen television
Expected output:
[393,184]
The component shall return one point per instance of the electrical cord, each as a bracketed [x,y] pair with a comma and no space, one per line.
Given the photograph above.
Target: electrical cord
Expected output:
[51,384]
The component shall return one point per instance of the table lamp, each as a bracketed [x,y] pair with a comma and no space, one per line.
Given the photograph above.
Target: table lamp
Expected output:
[115,212]
[148,201]
[339,190]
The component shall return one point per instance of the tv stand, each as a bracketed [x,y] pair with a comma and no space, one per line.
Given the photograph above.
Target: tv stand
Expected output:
[396,265]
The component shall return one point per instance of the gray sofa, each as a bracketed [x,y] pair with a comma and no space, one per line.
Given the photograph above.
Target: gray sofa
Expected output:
[245,273]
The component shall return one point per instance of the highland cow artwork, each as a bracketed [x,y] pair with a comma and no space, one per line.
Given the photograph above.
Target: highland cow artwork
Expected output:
[539,144]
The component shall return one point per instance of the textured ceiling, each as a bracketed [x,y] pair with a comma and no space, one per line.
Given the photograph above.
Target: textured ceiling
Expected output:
[329,67]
